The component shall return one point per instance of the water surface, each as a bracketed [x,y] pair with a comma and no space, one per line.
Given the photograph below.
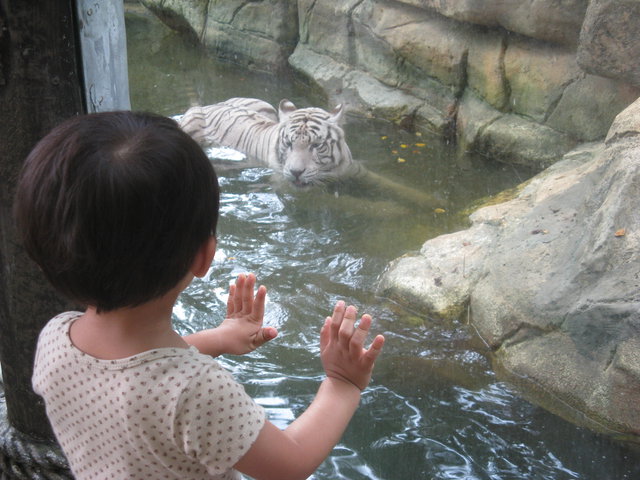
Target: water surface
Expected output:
[435,409]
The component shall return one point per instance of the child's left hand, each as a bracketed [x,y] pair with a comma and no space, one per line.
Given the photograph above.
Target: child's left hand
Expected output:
[242,330]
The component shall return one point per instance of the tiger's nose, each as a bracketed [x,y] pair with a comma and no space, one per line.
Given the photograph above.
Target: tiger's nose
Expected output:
[296,173]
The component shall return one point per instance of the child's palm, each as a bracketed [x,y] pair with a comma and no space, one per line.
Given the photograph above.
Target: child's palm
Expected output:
[342,347]
[245,314]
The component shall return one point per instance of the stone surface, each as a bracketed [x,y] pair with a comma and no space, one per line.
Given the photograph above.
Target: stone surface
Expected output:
[537,75]
[609,42]
[517,140]
[258,35]
[548,20]
[552,282]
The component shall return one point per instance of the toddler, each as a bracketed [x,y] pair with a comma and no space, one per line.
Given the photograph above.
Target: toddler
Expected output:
[119,210]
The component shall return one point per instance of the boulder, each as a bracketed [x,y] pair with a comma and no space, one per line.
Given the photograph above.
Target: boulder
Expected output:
[548,20]
[609,44]
[259,35]
[550,281]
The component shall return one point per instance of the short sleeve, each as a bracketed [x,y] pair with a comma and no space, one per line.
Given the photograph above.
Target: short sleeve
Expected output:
[216,421]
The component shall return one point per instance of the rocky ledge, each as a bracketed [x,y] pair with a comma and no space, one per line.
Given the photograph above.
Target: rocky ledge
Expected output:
[551,281]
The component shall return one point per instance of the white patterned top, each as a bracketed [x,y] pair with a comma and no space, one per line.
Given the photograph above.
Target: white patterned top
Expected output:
[169,413]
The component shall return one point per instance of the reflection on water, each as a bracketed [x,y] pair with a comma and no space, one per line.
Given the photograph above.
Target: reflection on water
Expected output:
[435,410]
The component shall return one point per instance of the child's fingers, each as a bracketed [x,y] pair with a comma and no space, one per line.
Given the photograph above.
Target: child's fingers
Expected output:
[247,293]
[258,303]
[374,349]
[356,343]
[240,281]
[230,300]
[264,335]
[325,333]
[336,319]
[347,327]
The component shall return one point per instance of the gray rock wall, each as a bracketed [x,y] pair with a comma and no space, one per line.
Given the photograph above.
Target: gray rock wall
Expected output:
[551,282]
[522,82]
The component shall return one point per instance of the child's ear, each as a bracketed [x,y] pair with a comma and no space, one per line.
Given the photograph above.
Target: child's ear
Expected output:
[204,257]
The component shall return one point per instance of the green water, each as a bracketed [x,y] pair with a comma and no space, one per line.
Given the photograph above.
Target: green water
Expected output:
[435,409]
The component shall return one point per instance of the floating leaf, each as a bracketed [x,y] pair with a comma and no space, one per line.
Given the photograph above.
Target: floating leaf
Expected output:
[421,144]
[401,160]
[621,232]
[395,152]
[418,134]
[439,210]
[383,137]
[403,145]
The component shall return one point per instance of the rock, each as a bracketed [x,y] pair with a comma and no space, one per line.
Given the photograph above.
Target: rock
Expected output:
[485,69]
[423,44]
[555,287]
[186,17]
[364,94]
[548,20]
[626,124]
[537,75]
[516,140]
[609,44]
[439,280]
[259,35]
[585,116]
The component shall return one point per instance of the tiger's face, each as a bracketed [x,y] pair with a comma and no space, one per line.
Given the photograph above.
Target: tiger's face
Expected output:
[311,147]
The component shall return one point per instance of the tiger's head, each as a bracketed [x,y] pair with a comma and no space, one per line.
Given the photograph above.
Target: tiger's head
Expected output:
[311,148]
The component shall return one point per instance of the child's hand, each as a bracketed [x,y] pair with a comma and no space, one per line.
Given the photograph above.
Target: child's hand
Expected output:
[242,330]
[342,346]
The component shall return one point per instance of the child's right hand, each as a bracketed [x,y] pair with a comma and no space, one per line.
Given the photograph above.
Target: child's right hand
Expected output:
[342,346]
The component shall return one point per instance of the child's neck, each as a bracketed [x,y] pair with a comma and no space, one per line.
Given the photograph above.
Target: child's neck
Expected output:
[125,332]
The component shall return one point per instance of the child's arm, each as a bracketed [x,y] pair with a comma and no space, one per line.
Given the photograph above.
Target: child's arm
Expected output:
[241,331]
[296,452]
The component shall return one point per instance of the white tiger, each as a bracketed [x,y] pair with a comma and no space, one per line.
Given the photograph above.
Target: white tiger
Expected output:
[306,145]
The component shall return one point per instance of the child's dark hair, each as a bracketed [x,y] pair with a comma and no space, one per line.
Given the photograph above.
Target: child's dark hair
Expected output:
[114,207]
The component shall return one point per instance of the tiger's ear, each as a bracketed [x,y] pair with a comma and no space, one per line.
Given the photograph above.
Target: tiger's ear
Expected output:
[285,108]
[336,114]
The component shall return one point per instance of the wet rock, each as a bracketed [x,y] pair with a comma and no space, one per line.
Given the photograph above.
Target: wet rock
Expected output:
[553,285]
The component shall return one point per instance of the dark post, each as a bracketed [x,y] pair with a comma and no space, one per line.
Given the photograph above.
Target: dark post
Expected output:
[40,85]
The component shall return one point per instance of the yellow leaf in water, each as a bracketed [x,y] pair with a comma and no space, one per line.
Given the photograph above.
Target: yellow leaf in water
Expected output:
[621,233]
[420,144]
[418,134]
[384,137]
[395,152]
[439,210]
[403,145]
[401,160]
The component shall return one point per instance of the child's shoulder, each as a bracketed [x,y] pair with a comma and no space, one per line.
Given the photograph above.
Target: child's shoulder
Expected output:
[59,324]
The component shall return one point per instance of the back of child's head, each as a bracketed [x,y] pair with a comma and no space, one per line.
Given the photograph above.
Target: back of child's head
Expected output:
[114,207]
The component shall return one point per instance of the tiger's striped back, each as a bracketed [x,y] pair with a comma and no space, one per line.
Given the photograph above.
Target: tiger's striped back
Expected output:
[245,124]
